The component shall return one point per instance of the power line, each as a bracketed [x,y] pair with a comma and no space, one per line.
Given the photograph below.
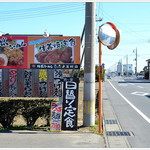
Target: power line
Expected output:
[127,29]
[25,13]
[22,12]
[37,9]
[140,30]
[39,15]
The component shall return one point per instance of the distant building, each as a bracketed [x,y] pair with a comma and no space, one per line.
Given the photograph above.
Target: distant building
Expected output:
[119,68]
[127,69]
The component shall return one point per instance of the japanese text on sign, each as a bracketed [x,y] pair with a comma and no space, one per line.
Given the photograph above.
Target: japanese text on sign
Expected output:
[43,83]
[27,83]
[58,44]
[3,42]
[13,83]
[57,83]
[70,105]
[56,110]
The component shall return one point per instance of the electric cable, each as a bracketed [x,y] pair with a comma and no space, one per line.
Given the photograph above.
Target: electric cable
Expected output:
[38,13]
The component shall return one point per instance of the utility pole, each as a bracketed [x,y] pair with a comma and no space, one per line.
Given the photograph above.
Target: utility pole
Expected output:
[127,65]
[136,62]
[89,66]
[135,51]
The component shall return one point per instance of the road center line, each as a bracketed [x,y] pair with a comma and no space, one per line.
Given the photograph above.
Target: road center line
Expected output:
[135,108]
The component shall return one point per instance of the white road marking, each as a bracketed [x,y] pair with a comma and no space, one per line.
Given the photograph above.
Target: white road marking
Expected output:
[140,87]
[140,93]
[135,108]
[131,83]
[121,80]
[123,84]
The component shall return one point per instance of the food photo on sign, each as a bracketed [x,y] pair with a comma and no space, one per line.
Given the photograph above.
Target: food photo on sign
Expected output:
[56,51]
[12,52]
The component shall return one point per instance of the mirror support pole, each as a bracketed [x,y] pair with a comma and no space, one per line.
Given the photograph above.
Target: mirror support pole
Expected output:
[100,90]
[110,45]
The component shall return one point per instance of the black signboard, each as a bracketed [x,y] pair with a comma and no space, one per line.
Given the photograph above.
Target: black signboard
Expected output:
[42,83]
[27,83]
[57,83]
[55,66]
[12,82]
[1,88]
[70,104]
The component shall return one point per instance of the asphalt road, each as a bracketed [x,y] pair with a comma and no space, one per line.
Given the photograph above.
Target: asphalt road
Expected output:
[131,102]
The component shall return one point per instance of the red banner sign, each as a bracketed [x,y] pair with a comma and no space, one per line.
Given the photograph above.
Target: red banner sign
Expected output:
[25,51]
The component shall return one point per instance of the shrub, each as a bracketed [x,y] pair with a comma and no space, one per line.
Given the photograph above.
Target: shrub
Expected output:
[30,108]
[8,110]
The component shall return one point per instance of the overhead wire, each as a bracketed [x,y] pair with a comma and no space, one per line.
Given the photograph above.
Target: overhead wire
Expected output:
[38,12]
[37,9]
[140,31]
[127,29]
[100,15]
[97,17]
[42,12]
[39,15]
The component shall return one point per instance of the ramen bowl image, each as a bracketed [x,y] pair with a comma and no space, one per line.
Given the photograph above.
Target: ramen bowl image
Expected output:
[3,60]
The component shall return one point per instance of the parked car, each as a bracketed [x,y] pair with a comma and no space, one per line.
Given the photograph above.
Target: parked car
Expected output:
[108,77]
[140,76]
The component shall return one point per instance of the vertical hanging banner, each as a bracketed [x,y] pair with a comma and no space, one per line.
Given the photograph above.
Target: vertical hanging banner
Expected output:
[13,83]
[70,104]
[27,83]
[5,83]
[56,112]
[1,92]
[20,82]
[35,81]
[57,83]
[42,83]
[50,82]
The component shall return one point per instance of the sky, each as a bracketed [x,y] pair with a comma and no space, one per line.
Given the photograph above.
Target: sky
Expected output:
[133,22]
[68,19]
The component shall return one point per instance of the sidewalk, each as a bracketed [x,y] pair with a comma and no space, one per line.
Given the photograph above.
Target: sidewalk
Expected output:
[110,124]
[44,139]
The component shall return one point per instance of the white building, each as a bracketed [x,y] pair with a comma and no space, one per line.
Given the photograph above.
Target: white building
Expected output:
[119,68]
[127,69]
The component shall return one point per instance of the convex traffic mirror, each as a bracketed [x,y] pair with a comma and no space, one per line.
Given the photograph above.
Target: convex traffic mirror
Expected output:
[109,35]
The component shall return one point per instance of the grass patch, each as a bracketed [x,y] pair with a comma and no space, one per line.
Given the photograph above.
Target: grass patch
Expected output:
[94,128]
[96,122]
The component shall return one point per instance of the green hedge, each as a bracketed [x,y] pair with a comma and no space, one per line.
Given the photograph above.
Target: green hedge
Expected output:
[30,108]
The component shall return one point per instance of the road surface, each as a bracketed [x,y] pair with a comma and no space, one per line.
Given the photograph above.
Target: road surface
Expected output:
[130,99]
